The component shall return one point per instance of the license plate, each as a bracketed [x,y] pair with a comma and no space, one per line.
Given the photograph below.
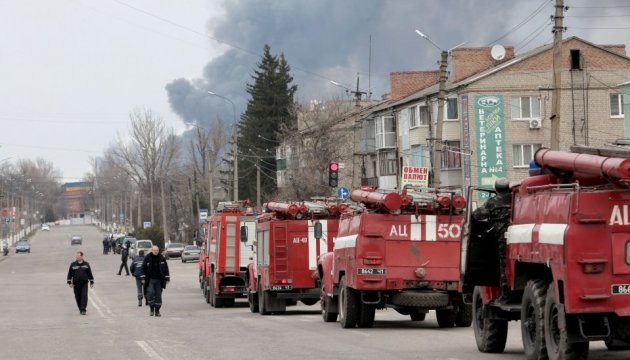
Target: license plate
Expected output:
[621,289]
[371,271]
[281,287]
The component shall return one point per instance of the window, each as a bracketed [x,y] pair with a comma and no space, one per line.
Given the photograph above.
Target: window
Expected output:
[413,118]
[616,105]
[451,109]
[524,153]
[388,164]
[525,107]
[424,116]
[451,155]
[385,132]
[418,155]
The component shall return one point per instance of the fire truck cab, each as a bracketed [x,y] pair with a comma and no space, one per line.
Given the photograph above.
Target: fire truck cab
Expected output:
[230,235]
[290,239]
[567,259]
[399,251]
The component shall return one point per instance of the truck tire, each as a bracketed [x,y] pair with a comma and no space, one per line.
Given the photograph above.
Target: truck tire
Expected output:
[532,319]
[326,304]
[307,302]
[490,335]
[558,346]
[616,344]
[420,299]
[366,315]
[464,315]
[201,278]
[228,302]
[348,305]
[252,299]
[206,292]
[417,315]
[263,300]
[446,317]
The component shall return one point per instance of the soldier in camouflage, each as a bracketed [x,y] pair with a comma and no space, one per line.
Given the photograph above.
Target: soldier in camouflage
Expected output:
[493,217]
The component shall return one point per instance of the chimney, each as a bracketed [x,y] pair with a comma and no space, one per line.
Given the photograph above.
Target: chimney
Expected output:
[404,83]
[470,61]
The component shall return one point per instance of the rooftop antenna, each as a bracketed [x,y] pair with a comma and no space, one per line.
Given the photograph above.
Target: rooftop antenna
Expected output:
[369,95]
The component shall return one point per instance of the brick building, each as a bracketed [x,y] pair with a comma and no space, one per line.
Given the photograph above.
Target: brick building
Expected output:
[496,114]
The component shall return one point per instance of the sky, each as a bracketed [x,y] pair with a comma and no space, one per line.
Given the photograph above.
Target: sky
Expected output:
[72,70]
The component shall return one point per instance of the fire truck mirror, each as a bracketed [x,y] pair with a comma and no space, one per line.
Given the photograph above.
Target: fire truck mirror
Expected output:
[318,230]
[244,233]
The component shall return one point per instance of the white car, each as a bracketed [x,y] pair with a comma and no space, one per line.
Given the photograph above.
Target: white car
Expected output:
[45,227]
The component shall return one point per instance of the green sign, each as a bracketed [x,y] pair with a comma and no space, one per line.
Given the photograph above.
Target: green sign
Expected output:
[489,123]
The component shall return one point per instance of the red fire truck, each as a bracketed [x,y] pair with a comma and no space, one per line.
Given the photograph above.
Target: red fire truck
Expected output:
[399,251]
[290,239]
[230,235]
[567,258]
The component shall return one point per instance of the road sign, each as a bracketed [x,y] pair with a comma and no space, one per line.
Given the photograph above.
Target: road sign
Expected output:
[343,193]
[146,224]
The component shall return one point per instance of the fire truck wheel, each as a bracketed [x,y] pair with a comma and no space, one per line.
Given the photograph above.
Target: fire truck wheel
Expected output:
[348,306]
[327,314]
[366,315]
[490,335]
[558,346]
[446,317]
[532,319]
[200,280]
[307,302]
[229,302]
[252,299]
[206,292]
[417,315]
[263,301]
[464,315]
[613,344]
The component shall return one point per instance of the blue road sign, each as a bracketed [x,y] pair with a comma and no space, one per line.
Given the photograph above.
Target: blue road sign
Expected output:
[343,193]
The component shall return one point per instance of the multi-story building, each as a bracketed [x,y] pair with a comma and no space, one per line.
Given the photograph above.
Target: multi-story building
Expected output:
[497,113]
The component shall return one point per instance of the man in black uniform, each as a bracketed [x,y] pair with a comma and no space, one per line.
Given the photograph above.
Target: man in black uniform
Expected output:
[79,274]
[494,216]
[155,274]
[124,257]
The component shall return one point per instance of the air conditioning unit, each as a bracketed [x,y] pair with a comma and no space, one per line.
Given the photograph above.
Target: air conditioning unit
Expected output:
[535,123]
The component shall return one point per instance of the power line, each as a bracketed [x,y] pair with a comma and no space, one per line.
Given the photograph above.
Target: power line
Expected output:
[526,20]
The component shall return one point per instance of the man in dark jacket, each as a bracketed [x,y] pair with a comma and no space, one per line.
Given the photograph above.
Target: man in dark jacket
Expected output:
[79,274]
[155,273]
[136,270]
[124,256]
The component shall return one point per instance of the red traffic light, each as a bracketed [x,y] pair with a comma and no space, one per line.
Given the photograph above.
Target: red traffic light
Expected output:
[334,167]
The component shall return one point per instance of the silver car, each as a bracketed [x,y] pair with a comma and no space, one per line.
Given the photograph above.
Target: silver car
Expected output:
[173,250]
[191,252]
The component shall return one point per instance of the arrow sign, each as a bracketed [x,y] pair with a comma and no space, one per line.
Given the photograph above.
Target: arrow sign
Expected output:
[343,193]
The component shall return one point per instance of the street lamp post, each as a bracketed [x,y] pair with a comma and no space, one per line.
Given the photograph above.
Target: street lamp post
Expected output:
[235,148]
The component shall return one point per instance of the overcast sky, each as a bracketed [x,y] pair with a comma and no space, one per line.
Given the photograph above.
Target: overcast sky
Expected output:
[73,69]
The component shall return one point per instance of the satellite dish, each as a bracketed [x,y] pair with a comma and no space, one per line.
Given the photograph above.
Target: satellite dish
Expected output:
[497,52]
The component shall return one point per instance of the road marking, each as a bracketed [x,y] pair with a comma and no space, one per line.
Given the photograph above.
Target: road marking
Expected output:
[97,307]
[107,309]
[148,350]
[362,333]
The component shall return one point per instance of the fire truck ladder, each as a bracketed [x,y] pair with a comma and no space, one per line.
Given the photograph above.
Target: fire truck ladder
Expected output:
[281,249]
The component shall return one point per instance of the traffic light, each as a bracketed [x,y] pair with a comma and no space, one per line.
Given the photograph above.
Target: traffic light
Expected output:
[333,174]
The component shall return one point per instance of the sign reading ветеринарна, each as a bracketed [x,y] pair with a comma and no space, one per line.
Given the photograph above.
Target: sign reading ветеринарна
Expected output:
[489,122]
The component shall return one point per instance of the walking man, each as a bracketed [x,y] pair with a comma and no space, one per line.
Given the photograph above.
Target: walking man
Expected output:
[136,270]
[79,274]
[155,273]
[124,257]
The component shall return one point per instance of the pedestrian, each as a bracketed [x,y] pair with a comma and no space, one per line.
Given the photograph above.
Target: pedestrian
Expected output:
[124,256]
[79,274]
[112,245]
[155,274]
[105,245]
[136,271]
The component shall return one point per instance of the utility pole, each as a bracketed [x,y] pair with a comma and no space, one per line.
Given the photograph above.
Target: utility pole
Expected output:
[258,205]
[558,28]
[437,141]
[235,149]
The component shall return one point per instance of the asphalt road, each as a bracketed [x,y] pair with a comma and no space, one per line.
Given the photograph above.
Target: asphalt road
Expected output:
[39,319]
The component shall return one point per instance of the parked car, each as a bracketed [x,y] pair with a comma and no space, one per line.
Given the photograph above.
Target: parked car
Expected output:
[76,240]
[140,245]
[173,250]
[191,252]
[22,246]
[45,227]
